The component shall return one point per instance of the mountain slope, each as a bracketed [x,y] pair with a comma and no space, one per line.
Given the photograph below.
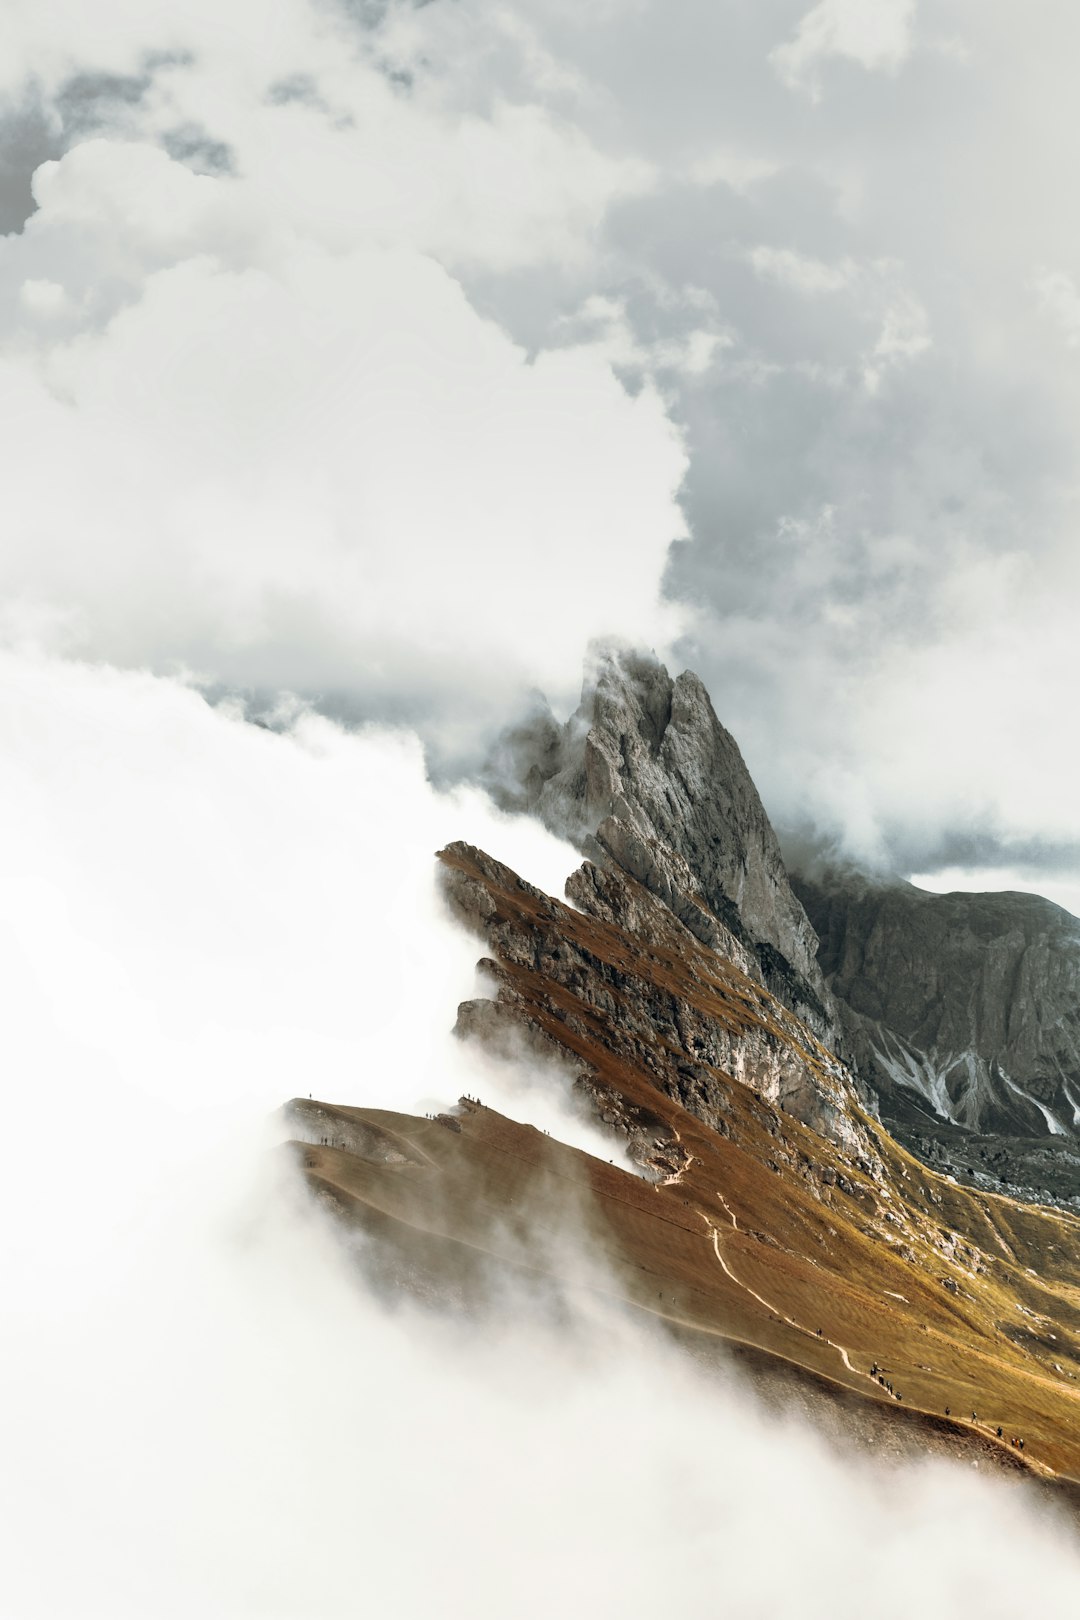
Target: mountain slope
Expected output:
[839,1258]
[645,778]
[959,1014]
[961,1008]
[701,1019]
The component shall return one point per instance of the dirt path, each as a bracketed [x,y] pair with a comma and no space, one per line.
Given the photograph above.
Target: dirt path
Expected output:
[774,1310]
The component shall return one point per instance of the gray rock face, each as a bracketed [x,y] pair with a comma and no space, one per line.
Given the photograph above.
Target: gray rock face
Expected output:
[961,1008]
[650,998]
[645,778]
[960,1014]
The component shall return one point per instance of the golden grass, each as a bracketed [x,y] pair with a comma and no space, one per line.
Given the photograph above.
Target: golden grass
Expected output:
[964,1299]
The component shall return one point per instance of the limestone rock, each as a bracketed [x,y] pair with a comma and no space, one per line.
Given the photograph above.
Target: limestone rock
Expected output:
[962,1009]
[607,974]
[644,777]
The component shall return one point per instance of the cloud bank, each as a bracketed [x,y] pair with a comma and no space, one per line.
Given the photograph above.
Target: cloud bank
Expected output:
[389,346]
[211,1415]
[255,426]
[863,207]
[381,352]
[874,33]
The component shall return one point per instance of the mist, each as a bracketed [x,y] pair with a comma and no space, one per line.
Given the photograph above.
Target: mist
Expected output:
[208,1410]
[296,453]
[393,353]
[372,359]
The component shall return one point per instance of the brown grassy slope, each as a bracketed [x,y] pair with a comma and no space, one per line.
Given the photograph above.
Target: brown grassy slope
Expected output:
[461,1209]
[768,1232]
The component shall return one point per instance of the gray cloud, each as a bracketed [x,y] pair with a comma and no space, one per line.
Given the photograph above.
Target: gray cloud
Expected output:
[839,239]
[87,101]
[190,144]
[260,427]
[214,1415]
[28,136]
[880,487]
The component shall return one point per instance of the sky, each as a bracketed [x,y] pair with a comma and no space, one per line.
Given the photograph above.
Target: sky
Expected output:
[361,363]
[389,353]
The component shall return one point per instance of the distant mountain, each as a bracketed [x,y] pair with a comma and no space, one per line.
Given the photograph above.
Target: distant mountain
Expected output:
[963,1010]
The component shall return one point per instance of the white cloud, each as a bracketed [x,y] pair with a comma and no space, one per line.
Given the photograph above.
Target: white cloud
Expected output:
[877,34]
[292,451]
[904,336]
[330,144]
[212,1415]
[800,272]
[730,166]
[959,731]
[603,326]
[876,293]
[291,462]
[1058,293]
[167,836]
[998,879]
[257,422]
[44,298]
[206,918]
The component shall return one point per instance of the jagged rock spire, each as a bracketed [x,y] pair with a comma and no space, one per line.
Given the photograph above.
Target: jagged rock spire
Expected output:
[644,776]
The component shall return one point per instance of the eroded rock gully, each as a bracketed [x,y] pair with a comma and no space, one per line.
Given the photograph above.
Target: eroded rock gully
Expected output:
[617,984]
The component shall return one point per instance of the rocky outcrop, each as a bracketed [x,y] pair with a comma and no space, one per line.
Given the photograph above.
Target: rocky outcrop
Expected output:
[960,1008]
[621,975]
[644,778]
[959,1014]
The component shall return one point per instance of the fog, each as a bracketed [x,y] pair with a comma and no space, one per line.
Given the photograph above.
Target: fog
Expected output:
[393,352]
[367,358]
[294,452]
[206,1410]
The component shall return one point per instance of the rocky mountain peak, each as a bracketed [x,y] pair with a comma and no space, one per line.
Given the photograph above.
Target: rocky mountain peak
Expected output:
[643,776]
[960,1014]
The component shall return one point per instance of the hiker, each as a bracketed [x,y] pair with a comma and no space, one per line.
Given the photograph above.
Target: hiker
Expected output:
[946,1411]
[1020,1443]
[999,1431]
[974,1417]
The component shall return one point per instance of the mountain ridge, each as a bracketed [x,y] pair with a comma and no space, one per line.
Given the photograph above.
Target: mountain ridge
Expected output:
[644,777]
[645,780]
[833,1255]
[775,1209]
[964,1008]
